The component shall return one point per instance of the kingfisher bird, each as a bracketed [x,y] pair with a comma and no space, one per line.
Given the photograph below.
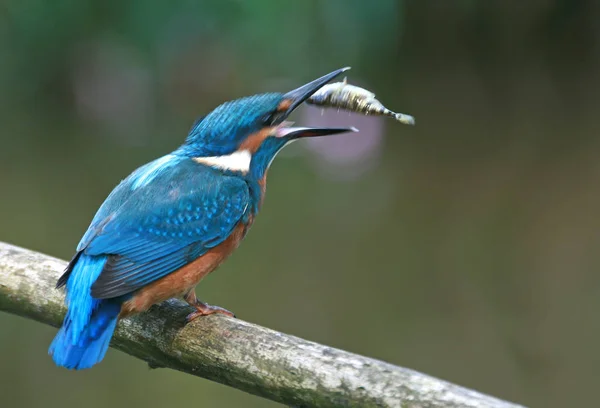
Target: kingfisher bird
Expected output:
[174,220]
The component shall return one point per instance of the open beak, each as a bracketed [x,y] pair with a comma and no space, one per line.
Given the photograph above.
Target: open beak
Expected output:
[298,96]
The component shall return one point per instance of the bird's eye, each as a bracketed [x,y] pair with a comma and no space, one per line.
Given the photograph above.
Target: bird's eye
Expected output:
[269,118]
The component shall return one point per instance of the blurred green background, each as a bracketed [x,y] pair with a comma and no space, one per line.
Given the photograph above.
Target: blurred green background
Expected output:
[465,247]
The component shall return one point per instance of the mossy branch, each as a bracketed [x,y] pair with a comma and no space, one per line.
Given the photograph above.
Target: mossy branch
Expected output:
[230,351]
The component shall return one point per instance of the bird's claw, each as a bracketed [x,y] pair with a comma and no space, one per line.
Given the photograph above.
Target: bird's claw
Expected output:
[202,309]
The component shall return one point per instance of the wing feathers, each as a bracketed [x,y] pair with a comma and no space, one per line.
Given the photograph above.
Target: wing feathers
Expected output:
[165,225]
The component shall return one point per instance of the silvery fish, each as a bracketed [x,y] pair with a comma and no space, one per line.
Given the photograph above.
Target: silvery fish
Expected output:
[342,95]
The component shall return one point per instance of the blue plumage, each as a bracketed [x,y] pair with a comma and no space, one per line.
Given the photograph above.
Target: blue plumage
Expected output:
[167,214]
[139,235]
[222,130]
[166,224]
[263,157]
[145,174]
[88,326]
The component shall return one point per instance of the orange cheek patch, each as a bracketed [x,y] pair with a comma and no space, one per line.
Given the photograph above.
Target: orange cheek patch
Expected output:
[284,105]
[253,142]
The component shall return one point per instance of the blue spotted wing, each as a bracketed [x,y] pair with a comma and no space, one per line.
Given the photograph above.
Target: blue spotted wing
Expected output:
[162,224]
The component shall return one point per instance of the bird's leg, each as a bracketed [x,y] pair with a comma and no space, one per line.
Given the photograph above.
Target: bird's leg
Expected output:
[202,309]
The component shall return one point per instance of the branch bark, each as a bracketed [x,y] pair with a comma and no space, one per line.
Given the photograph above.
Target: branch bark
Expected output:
[230,351]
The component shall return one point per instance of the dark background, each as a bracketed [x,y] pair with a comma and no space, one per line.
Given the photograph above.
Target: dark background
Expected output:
[465,247]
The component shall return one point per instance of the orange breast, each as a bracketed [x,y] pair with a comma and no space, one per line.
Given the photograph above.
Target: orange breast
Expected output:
[186,278]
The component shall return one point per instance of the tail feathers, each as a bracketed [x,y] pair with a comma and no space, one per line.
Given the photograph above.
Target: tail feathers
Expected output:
[79,300]
[84,337]
[91,343]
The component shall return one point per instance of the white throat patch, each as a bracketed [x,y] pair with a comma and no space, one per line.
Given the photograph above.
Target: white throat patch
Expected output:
[236,161]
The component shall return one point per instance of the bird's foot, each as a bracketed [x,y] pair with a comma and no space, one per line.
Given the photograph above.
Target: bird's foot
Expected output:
[203,309]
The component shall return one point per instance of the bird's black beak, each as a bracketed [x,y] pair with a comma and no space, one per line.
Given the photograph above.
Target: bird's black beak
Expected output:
[292,133]
[293,99]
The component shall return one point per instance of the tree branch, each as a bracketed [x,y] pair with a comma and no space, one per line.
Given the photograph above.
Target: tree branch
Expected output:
[230,351]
